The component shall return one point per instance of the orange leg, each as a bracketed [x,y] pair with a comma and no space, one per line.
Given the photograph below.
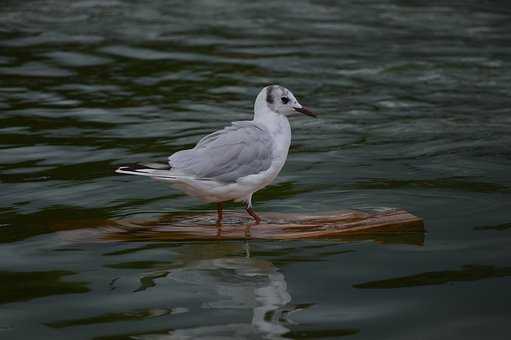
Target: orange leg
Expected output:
[252,213]
[220,212]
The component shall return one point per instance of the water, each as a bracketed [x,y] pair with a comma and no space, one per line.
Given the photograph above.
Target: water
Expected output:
[414,102]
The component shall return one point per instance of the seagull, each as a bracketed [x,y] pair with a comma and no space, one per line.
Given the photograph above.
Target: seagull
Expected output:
[233,163]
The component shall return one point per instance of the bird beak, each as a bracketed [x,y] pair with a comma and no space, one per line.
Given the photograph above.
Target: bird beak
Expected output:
[305,111]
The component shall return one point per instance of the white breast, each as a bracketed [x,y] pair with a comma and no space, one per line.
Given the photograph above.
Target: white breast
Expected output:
[280,130]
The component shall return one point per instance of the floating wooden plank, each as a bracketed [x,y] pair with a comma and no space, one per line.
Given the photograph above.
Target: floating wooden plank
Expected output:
[274,226]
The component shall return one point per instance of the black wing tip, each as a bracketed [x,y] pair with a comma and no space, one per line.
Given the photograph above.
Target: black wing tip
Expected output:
[144,166]
[132,167]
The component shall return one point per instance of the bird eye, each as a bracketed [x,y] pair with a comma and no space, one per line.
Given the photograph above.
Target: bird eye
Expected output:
[285,100]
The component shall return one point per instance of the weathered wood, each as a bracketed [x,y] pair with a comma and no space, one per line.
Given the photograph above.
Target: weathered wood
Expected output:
[274,226]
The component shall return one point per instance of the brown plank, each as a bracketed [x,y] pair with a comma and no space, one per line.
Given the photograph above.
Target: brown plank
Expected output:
[274,226]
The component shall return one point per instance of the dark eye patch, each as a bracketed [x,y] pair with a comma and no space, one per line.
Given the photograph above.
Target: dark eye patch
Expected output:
[269,95]
[285,100]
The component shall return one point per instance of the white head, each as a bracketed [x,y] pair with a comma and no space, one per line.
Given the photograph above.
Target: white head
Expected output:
[279,100]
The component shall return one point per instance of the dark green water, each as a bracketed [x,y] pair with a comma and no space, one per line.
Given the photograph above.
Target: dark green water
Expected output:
[415,113]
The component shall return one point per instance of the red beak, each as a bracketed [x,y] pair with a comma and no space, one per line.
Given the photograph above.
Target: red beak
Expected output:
[305,111]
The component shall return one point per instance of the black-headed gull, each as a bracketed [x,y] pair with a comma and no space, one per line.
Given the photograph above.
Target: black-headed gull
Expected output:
[233,163]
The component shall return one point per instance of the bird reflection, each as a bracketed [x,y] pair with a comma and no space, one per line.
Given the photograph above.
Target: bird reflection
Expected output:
[242,282]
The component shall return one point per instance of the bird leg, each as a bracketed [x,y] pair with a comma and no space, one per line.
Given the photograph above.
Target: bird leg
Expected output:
[252,213]
[220,212]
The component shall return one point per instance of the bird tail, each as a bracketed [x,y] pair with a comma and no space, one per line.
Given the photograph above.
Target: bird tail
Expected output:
[155,170]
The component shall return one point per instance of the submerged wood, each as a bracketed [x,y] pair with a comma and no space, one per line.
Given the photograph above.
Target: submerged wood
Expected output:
[274,226]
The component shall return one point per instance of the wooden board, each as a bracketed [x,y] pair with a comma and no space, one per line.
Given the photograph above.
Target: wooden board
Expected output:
[274,226]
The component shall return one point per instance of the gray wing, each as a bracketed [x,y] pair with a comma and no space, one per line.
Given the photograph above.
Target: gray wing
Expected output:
[242,149]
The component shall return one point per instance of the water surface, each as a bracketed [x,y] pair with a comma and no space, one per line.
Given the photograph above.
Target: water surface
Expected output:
[414,102]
